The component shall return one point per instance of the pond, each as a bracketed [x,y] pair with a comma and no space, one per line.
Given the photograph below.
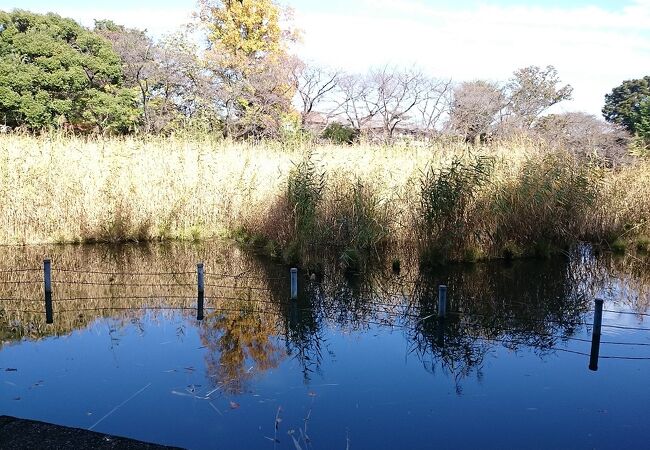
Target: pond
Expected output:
[355,362]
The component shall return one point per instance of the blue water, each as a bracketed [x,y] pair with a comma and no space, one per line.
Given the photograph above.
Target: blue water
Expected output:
[164,377]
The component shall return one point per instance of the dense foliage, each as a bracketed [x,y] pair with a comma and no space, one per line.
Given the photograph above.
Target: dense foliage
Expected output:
[627,105]
[55,72]
[340,134]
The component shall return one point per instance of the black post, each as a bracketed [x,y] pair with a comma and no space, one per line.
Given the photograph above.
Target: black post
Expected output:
[201,291]
[595,336]
[442,315]
[47,278]
[442,301]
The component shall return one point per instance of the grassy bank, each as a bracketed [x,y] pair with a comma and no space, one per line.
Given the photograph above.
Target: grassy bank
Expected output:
[449,202]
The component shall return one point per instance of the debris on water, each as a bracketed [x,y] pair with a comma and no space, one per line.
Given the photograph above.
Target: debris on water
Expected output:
[234,405]
[120,405]
[295,441]
[304,436]
[190,394]
[312,394]
[213,391]
[276,425]
[216,409]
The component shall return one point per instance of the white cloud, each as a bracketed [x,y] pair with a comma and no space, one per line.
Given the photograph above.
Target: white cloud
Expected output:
[592,48]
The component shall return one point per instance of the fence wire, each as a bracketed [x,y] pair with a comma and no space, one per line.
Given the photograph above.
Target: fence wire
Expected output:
[365,307]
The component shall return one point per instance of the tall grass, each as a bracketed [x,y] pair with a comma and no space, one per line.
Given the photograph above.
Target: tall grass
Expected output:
[449,200]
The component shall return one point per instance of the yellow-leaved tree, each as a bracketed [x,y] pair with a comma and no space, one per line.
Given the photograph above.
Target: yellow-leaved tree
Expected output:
[248,53]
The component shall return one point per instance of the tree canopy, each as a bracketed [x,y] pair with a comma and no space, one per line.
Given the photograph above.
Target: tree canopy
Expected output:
[54,72]
[627,104]
[245,83]
[248,55]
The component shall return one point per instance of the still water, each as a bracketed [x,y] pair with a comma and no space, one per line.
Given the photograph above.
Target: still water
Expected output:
[356,362]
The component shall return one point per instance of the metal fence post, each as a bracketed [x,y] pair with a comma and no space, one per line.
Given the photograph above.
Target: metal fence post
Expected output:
[294,284]
[595,336]
[442,301]
[201,291]
[47,278]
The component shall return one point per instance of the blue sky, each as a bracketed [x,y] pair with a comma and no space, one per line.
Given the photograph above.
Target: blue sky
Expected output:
[594,44]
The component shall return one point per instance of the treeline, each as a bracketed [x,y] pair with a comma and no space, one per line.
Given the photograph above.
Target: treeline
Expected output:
[243,82]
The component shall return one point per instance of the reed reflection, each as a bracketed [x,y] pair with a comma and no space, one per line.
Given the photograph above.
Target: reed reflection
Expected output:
[251,326]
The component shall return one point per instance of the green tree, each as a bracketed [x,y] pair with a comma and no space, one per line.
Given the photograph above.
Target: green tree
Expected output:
[54,72]
[531,91]
[643,121]
[624,105]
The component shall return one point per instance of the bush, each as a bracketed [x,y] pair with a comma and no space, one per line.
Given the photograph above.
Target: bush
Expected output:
[340,134]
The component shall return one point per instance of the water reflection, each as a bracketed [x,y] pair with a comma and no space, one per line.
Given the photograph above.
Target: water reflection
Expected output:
[240,344]
[250,325]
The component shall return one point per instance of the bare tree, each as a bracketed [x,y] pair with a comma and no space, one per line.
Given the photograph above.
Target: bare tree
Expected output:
[395,95]
[167,73]
[388,99]
[435,105]
[358,100]
[316,86]
[475,110]
[584,135]
[137,52]
[181,89]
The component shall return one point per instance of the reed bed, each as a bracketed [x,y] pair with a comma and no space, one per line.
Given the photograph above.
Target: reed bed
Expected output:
[451,201]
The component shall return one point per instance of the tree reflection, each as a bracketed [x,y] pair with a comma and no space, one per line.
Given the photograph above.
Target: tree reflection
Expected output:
[253,326]
[241,343]
[528,304]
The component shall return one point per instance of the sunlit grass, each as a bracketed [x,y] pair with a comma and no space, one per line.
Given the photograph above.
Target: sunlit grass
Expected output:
[56,189]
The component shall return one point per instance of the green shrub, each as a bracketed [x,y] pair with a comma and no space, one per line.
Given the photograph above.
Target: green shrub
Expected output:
[360,220]
[619,246]
[305,187]
[340,134]
[447,197]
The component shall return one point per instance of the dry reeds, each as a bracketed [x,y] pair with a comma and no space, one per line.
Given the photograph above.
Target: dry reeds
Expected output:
[451,200]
